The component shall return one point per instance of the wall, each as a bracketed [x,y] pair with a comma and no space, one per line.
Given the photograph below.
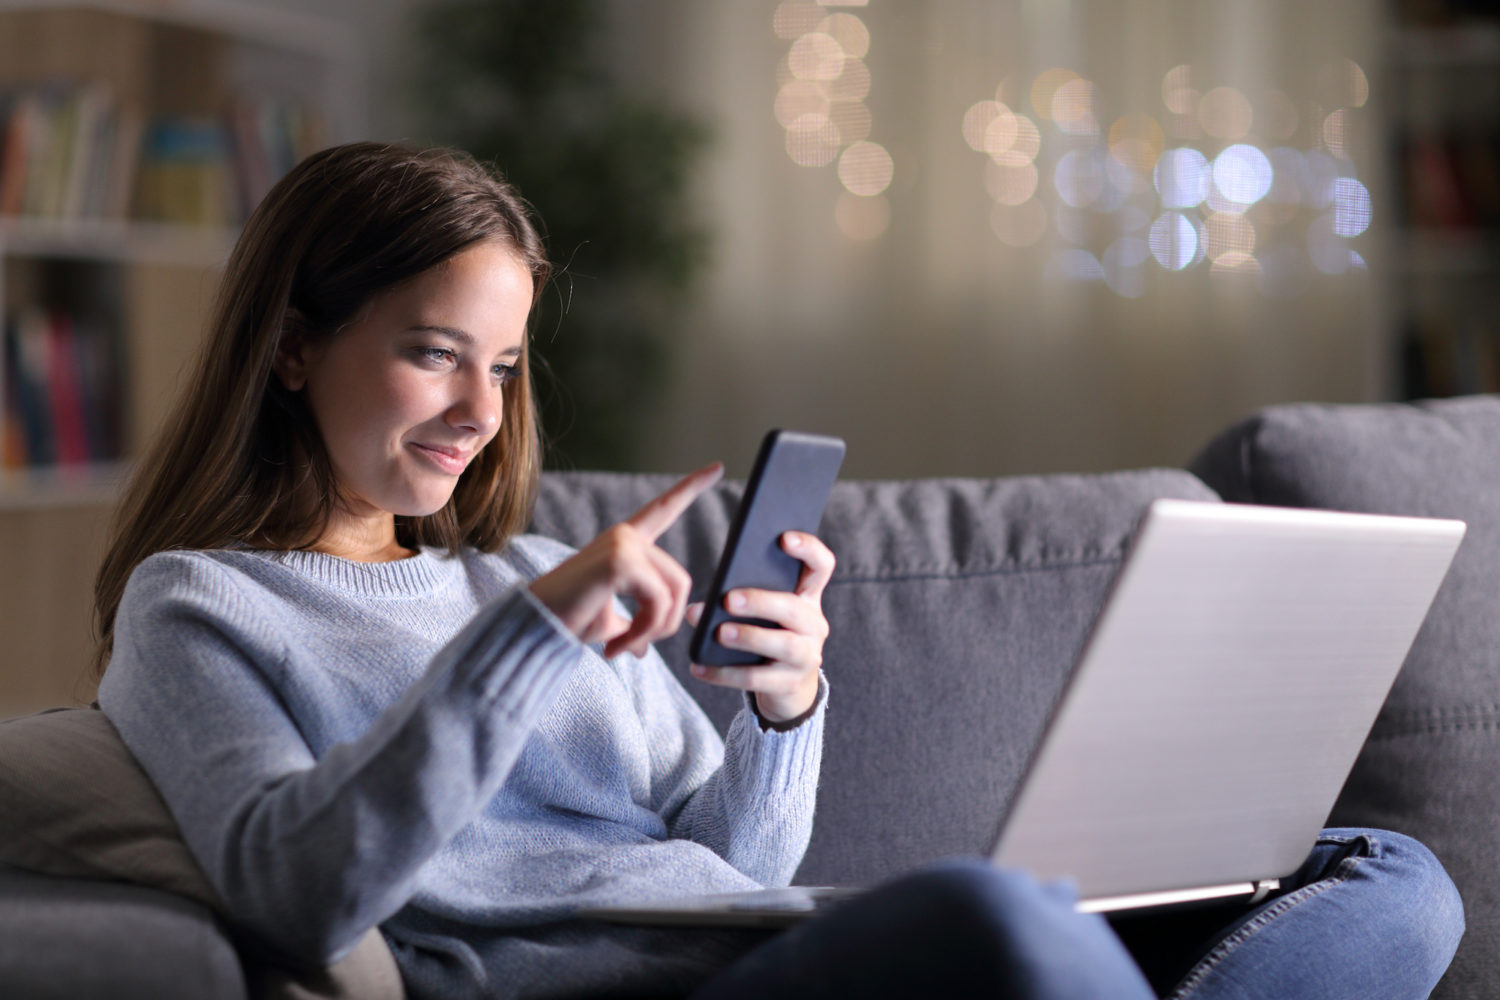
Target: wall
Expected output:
[936,348]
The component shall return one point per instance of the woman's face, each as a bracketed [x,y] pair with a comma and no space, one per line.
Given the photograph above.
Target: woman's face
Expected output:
[407,394]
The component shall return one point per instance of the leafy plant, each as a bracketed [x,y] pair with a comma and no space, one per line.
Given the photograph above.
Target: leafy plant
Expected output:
[523,84]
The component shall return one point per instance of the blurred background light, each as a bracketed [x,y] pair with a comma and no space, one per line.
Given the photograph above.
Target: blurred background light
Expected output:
[1073,108]
[1174,241]
[794,19]
[1242,174]
[866,168]
[816,56]
[850,32]
[1045,88]
[1181,178]
[1177,92]
[812,141]
[1010,185]
[1227,233]
[1351,207]
[1225,113]
[1080,176]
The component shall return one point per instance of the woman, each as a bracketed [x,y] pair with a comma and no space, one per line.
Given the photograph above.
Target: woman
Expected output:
[369,700]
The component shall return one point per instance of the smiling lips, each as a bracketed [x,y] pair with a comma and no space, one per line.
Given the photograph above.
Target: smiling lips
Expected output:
[450,460]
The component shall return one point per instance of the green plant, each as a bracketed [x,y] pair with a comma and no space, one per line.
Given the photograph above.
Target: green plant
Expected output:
[523,84]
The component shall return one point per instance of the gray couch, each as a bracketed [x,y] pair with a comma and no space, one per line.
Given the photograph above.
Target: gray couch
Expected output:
[956,609]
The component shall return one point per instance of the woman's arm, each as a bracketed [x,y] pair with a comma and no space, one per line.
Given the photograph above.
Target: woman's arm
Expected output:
[311,853]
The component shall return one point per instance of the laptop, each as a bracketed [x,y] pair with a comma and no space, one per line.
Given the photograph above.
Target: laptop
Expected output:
[1225,689]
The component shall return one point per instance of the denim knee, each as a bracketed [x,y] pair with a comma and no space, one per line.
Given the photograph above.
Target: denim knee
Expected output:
[1426,909]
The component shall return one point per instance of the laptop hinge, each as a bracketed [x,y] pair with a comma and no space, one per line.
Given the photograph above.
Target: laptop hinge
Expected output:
[1264,888]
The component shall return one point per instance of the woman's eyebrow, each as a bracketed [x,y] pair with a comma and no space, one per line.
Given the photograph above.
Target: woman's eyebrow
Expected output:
[454,333]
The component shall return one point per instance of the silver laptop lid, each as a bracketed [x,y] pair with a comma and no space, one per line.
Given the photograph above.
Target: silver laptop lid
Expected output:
[1223,695]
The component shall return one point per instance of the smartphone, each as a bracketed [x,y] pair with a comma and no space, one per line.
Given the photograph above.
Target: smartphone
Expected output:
[787,491]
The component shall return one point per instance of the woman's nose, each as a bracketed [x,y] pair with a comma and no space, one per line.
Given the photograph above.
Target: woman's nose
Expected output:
[477,407]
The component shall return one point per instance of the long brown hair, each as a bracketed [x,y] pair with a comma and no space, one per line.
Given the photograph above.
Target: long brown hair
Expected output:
[239,460]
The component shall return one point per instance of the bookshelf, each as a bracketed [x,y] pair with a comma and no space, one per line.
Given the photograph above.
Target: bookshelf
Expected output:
[135,136]
[1445,77]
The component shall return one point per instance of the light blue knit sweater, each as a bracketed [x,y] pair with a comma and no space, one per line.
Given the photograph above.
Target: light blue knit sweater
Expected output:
[421,745]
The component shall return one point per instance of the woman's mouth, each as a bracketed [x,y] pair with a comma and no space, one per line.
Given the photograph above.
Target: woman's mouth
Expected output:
[449,460]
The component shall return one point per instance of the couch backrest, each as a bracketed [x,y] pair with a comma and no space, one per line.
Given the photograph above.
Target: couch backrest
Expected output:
[956,610]
[1431,767]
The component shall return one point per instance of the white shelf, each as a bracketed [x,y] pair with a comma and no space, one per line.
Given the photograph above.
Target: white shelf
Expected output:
[116,240]
[94,485]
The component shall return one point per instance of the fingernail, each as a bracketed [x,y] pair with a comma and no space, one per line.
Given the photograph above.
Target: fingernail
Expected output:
[729,632]
[698,669]
[793,540]
[737,601]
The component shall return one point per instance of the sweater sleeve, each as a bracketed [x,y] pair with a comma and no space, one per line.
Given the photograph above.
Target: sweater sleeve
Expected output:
[750,797]
[191,688]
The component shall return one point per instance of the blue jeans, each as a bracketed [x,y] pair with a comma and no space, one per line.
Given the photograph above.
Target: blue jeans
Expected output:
[1370,915]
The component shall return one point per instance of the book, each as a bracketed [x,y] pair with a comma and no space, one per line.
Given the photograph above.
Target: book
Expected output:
[65,393]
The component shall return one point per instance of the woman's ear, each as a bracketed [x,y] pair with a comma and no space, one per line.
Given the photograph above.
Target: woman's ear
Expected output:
[292,355]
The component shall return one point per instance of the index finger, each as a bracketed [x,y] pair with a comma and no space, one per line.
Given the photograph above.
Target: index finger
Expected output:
[660,514]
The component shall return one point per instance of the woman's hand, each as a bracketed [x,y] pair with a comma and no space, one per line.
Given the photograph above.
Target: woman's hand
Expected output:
[787,686]
[625,561]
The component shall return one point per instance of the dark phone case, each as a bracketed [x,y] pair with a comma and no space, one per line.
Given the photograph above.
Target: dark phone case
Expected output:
[787,490]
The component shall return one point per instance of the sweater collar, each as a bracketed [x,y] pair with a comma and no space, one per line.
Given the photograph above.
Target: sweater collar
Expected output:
[419,574]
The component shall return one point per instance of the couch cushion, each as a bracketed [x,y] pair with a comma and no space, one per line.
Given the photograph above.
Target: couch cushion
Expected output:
[956,610]
[1431,767]
[68,937]
[76,804]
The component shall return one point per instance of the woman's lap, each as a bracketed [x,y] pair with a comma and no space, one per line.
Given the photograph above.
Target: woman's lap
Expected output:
[1370,914]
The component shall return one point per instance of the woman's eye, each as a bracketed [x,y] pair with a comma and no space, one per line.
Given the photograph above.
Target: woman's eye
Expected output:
[437,355]
[504,373]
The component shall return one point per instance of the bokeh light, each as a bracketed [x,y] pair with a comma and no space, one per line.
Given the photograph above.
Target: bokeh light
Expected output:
[1010,185]
[794,19]
[866,168]
[816,56]
[1073,108]
[1181,178]
[852,119]
[1136,141]
[850,32]
[1206,178]
[1242,174]
[1080,176]
[1227,232]
[1225,113]
[852,83]
[812,141]
[1174,241]
[1177,91]
[977,122]
[1334,130]
[797,98]
[1351,207]
[1046,86]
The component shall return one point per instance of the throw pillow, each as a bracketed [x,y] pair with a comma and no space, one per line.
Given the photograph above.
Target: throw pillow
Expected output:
[1431,767]
[76,804]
